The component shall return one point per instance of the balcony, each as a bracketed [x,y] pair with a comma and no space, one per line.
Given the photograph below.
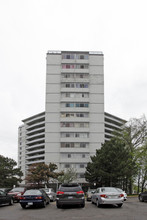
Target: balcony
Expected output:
[36,161]
[35,157]
[36,146]
[36,141]
[36,130]
[35,136]
[35,126]
[35,120]
[33,152]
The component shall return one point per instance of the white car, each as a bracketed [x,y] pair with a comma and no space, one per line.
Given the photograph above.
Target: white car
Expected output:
[51,193]
[107,195]
[121,191]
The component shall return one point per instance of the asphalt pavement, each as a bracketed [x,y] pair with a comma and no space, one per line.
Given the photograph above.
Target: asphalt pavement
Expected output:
[132,209]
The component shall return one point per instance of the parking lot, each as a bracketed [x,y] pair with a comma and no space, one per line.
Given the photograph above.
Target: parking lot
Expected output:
[131,210]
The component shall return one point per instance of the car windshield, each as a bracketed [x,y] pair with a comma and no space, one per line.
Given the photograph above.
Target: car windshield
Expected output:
[108,189]
[17,190]
[47,190]
[70,189]
[91,190]
[120,190]
[32,192]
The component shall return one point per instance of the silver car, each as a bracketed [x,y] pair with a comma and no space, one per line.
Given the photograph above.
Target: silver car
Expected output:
[123,192]
[107,195]
[51,193]
[89,194]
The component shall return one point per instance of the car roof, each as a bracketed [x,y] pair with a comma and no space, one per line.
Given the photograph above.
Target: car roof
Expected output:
[70,185]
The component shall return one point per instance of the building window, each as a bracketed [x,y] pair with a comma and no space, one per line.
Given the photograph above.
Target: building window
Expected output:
[82,56]
[68,66]
[81,85]
[73,145]
[82,66]
[83,145]
[82,105]
[69,155]
[72,115]
[67,166]
[81,165]
[81,175]
[68,56]
[76,135]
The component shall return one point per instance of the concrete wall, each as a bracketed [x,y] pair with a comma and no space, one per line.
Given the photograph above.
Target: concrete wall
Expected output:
[54,89]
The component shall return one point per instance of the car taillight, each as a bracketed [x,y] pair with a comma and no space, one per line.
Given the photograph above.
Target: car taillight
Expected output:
[60,193]
[103,195]
[38,197]
[80,192]
[21,197]
[121,195]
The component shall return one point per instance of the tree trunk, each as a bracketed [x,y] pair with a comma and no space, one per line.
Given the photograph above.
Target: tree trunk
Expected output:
[138,187]
[130,186]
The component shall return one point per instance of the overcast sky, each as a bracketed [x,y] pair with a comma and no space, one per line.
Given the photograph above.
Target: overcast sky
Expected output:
[29,28]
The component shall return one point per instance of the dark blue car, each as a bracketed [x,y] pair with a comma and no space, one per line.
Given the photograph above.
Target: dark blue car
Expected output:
[5,198]
[142,196]
[34,197]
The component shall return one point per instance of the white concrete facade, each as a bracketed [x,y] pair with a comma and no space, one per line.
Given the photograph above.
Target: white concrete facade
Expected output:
[74,115]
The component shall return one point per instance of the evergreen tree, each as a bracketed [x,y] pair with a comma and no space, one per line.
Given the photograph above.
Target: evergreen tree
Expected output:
[9,174]
[111,164]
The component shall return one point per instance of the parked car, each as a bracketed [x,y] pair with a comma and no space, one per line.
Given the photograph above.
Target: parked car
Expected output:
[70,194]
[89,194]
[17,192]
[142,196]
[123,192]
[107,195]
[5,198]
[34,197]
[51,193]
[5,189]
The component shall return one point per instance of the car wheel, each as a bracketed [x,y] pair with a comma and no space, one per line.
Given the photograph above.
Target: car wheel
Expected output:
[23,206]
[44,204]
[97,203]
[83,205]
[58,206]
[119,205]
[11,202]
[141,199]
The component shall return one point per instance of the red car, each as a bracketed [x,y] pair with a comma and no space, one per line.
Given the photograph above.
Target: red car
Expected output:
[16,193]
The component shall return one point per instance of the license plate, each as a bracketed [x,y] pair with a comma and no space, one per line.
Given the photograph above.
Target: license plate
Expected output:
[70,197]
[113,197]
[30,203]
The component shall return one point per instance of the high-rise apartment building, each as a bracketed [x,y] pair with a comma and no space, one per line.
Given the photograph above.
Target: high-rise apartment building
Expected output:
[74,116]
[74,124]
